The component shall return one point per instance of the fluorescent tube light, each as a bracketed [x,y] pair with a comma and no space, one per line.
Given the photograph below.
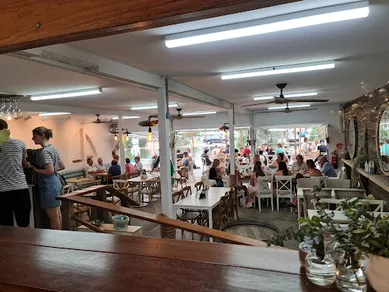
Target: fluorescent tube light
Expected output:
[299,19]
[67,94]
[53,114]
[127,117]
[277,130]
[199,113]
[287,95]
[280,70]
[153,106]
[291,106]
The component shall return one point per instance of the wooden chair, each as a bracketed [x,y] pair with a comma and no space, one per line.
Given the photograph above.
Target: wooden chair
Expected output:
[198,186]
[338,183]
[183,179]
[265,190]
[349,193]
[284,189]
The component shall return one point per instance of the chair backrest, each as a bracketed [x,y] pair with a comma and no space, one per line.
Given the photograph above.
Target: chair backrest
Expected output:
[308,197]
[186,191]
[349,193]
[120,183]
[308,182]
[323,181]
[198,185]
[378,205]
[67,189]
[284,184]
[265,184]
[338,183]
[176,196]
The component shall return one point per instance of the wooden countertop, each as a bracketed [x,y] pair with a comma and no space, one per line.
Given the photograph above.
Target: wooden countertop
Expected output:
[48,260]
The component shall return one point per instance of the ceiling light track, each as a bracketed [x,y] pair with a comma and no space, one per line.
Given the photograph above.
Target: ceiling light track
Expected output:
[295,20]
[67,94]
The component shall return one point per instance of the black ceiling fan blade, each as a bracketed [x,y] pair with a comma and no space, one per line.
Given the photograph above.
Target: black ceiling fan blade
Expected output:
[261,103]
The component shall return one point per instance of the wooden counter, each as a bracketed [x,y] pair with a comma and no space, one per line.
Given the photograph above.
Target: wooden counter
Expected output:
[48,260]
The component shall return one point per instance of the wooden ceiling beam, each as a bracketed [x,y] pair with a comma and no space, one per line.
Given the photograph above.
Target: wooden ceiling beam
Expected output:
[35,23]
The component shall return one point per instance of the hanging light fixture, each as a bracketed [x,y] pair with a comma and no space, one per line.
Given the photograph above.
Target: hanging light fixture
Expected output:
[116,137]
[127,133]
[9,108]
[150,135]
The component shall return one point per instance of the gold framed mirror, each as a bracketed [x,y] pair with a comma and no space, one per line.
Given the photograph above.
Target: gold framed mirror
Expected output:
[383,139]
[352,138]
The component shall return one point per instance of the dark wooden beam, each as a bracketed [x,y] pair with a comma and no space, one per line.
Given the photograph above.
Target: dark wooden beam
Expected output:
[31,23]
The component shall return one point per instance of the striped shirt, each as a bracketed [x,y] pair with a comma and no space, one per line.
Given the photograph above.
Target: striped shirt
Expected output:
[48,155]
[12,154]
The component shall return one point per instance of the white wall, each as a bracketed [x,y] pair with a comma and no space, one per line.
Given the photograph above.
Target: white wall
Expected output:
[68,138]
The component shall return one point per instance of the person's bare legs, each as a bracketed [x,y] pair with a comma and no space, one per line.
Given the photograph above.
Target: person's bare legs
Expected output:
[55,217]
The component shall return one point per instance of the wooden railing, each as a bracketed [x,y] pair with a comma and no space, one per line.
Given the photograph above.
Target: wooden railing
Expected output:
[77,197]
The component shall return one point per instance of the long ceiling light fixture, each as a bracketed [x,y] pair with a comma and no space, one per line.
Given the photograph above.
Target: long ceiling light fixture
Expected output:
[294,20]
[144,107]
[66,94]
[127,117]
[199,113]
[291,95]
[53,114]
[279,70]
[291,106]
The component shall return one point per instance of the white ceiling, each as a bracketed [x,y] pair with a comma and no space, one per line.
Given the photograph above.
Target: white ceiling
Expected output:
[360,47]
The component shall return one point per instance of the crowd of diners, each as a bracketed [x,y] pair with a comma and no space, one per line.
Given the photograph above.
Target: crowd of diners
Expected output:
[267,162]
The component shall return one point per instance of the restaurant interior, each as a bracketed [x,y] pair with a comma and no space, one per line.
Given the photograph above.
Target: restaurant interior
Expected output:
[243,166]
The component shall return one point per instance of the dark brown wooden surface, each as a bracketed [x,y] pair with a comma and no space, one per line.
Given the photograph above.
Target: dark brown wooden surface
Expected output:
[31,23]
[225,236]
[47,260]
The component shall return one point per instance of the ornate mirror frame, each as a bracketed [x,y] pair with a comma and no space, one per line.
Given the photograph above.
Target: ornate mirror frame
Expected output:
[381,111]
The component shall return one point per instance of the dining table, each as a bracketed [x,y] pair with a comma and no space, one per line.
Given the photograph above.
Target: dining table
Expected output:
[211,200]
[139,180]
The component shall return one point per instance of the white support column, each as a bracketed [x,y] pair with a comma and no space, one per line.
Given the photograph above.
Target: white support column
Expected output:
[231,117]
[252,136]
[164,150]
[173,146]
[121,143]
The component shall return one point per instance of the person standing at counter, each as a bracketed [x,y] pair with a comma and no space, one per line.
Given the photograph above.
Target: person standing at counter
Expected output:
[49,184]
[14,194]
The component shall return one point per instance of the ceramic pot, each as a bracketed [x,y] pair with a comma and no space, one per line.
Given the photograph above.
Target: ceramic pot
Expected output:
[378,273]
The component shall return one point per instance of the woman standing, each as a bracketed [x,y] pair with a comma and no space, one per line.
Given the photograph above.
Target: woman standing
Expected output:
[49,184]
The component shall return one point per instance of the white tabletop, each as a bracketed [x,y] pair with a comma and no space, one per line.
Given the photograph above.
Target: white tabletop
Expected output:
[212,199]
[150,176]
[339,215]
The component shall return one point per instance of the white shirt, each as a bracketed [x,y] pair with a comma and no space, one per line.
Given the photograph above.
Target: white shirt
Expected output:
[139,166]
[305,147]
[89,169]
[215,152]
[297,168]
[101,167]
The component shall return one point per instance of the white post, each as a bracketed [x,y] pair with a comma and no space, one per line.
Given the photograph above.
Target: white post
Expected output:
[173,147]
[231,117]
[121,143]
[252,137]
[164,150]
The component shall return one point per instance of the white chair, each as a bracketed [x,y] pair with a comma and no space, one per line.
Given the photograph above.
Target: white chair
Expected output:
[284,189]
[349,193]
[338,183]
[67,189]
[265,190]
[308,182]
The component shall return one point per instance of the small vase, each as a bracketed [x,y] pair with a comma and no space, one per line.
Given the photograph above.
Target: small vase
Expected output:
[321,272]
[378,273]
[349,279]
[304,249]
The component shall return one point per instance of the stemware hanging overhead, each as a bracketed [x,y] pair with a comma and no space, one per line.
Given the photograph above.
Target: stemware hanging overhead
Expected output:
[9,108]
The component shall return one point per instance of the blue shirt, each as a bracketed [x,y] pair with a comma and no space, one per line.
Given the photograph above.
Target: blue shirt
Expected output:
[115,170]
[280,150]
[328,170]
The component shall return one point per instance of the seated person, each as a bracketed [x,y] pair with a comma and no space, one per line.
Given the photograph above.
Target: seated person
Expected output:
[280,149]
[205,157]
[215,173]
[185,160]
[130,169]
[114,169]
[279,158]
[179,154]
[299,165]
[326,167]
[311,169]
[282,169]
[138,164]
[100,165]
[90,170]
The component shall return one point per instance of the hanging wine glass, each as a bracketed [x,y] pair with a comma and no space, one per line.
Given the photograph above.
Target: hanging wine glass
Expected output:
[14,109]
[8,112]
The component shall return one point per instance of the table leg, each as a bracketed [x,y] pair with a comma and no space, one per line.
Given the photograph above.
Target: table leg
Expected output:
[210,222]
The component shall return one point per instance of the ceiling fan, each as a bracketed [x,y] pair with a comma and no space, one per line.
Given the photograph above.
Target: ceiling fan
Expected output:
[224,127]
[281,98]
[179,115]
[98,121]
[151,123]
[287,110]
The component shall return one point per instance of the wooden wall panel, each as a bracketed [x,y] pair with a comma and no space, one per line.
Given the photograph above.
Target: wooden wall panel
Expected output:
[32,23]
